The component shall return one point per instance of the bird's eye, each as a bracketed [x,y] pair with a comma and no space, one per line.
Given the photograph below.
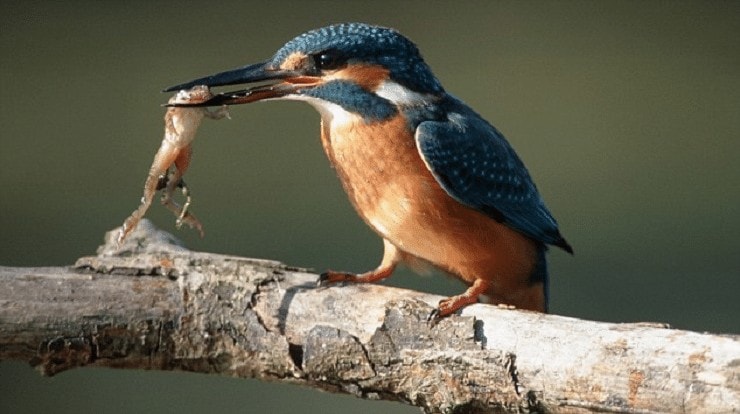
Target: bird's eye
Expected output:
[328,60]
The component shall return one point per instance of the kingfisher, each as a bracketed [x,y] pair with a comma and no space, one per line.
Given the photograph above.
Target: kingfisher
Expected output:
[437,182]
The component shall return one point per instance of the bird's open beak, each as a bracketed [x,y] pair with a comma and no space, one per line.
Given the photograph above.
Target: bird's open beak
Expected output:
[271,83]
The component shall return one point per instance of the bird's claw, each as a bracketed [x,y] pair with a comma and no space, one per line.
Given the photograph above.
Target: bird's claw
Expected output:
[330,277]
[445,308]
[323,280]
[434,317]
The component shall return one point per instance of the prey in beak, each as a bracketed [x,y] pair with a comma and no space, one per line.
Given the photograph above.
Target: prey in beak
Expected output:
[269,83]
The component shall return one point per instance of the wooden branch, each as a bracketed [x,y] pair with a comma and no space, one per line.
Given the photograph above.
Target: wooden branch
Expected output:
[155,305]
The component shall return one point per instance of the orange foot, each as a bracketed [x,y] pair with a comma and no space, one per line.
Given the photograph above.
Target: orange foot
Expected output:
[330,277]
[391,257]
[453,304]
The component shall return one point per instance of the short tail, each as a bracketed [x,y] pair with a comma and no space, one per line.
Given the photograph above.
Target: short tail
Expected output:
[540,274]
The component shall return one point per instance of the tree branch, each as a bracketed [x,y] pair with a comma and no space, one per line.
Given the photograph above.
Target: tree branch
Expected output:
[152,304]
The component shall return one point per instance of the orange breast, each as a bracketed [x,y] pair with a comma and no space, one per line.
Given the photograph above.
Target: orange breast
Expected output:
[394,192]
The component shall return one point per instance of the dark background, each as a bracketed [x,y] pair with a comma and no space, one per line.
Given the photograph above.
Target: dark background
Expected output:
[626,113]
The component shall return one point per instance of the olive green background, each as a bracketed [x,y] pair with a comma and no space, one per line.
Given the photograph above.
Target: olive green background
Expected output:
[626,113]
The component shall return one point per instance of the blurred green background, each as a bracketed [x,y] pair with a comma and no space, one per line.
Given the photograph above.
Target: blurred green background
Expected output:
[626,113]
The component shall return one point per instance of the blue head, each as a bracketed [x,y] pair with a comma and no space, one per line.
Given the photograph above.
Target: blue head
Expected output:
[348,44]
[367,70]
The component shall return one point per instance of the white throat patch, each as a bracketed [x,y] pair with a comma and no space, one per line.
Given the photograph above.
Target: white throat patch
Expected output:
[334,114]
[399,94]
[331,113]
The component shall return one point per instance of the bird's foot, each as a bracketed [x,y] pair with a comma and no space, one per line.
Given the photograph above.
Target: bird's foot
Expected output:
[449,306]
[330,277]
[453,304]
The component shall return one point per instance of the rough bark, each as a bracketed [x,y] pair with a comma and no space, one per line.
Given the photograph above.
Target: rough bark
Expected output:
[152,304]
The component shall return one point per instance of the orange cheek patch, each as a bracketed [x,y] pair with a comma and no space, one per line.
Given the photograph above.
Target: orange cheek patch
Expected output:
[369,77]
[294,61]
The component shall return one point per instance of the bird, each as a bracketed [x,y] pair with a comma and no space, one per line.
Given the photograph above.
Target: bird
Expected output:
[437,182]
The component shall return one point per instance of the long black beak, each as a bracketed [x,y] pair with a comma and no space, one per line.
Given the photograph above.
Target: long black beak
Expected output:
[274,83]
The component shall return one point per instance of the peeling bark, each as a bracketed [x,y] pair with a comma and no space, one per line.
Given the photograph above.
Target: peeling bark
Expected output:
[152,304]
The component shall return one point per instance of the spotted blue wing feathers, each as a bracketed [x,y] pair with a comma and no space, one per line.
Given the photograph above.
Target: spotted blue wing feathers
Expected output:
[475,164]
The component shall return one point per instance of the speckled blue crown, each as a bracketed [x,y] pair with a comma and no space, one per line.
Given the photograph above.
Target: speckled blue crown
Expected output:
[372,45]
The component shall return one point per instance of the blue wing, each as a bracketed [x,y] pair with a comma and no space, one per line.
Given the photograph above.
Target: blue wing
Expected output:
[475,165]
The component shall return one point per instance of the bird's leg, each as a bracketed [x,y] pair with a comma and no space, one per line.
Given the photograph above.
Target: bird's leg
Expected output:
[391,257]
[454,303]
